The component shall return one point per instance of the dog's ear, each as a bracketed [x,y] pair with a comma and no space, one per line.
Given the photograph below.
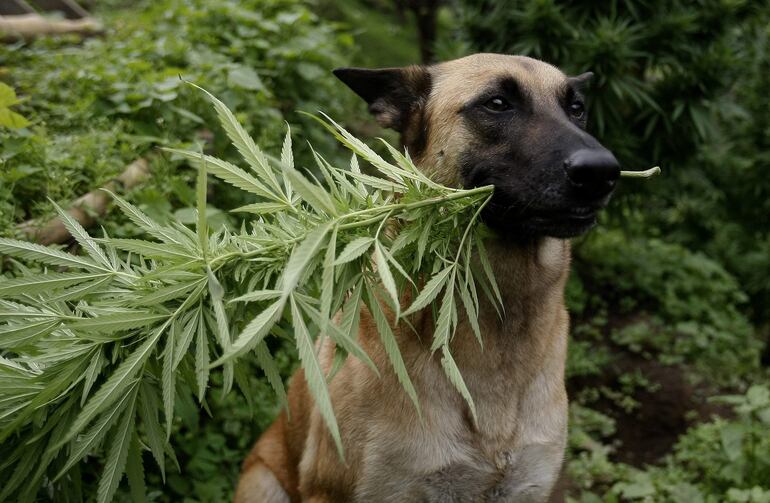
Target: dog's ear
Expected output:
[580,82]
[393,94]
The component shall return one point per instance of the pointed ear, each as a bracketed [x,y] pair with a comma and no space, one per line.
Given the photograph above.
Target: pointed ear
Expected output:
[393,94]
[581,81]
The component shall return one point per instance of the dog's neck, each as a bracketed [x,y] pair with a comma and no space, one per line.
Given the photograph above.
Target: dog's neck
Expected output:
[531,269]
[531,278]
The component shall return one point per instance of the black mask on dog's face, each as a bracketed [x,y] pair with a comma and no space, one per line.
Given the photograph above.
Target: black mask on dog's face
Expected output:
[512,122]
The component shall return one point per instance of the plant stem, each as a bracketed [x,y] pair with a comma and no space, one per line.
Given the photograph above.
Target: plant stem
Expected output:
[388,208]
[641,174]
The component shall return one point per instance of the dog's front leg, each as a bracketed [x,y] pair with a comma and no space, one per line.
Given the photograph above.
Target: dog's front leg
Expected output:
[323,476]
[258,484]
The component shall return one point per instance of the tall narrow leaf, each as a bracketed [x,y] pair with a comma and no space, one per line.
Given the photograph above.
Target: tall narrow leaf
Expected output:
[116,457]
[316,381]
[391,346]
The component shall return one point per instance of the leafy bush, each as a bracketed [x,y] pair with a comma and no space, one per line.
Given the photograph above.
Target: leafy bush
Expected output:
[722,460]
[96,106]
[677,305]
[658,64]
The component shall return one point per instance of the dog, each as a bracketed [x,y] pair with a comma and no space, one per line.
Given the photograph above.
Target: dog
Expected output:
[518,124]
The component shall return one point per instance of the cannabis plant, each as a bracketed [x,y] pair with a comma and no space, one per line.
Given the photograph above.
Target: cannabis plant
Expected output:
[96,347]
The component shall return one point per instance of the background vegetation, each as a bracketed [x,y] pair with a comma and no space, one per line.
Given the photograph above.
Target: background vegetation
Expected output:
[670,391]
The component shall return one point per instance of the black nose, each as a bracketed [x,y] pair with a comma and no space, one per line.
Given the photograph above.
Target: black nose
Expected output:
[593,171]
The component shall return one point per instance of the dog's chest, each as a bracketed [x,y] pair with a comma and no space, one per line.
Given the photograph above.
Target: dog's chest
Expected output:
[511,459]
[522,475]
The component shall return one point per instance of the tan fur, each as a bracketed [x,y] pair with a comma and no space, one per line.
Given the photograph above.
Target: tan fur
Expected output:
[515,451]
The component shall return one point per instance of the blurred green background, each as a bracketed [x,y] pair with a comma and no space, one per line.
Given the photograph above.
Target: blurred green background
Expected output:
[670,350]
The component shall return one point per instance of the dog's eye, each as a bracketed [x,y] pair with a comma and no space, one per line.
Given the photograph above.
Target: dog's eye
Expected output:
[497,104]
[577,109]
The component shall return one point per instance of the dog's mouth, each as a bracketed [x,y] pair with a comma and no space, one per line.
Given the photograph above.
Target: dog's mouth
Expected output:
[565,222]
[576,213]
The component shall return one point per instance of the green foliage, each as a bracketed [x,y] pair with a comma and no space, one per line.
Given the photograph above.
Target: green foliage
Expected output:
[667,297]
[656,70]
[9,118]
[100,344]
[721,460]
[95,106]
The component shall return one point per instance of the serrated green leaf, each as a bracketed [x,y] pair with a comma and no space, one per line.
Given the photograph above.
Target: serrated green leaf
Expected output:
[445,315]
[316,381]
[301,257]
[30,285]
[115,385]
[148,411]
[186,337]
[135,471]
[327,278]
[354,249]
[46,255]
[110,323]
[18,335]
[383,270]
[363,150]
[351,311]
[168,382]
[139,218]
[342,338]
[430,291]
[166,293]
[406,237]
[422,241]
[201,358]
[81,236]
[261,208]
[153,250]
[80,290]
[85,443]
[392,260]
[391,347]
[456,378]
[471,311]
[287,157]
[243,142]
[115,463]
[254,332]
[200,208]
[270,368]
[229,173]
[92,373]
[312,193]
[257,296]
[377,183]
[487,267]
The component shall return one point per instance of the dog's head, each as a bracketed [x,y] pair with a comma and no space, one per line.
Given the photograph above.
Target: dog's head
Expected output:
[509,121]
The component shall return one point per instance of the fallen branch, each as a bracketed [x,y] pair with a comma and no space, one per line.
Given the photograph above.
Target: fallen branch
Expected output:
[34,25]
[86,208]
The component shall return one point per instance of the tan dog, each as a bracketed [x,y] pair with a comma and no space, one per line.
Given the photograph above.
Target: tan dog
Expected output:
[517,123]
